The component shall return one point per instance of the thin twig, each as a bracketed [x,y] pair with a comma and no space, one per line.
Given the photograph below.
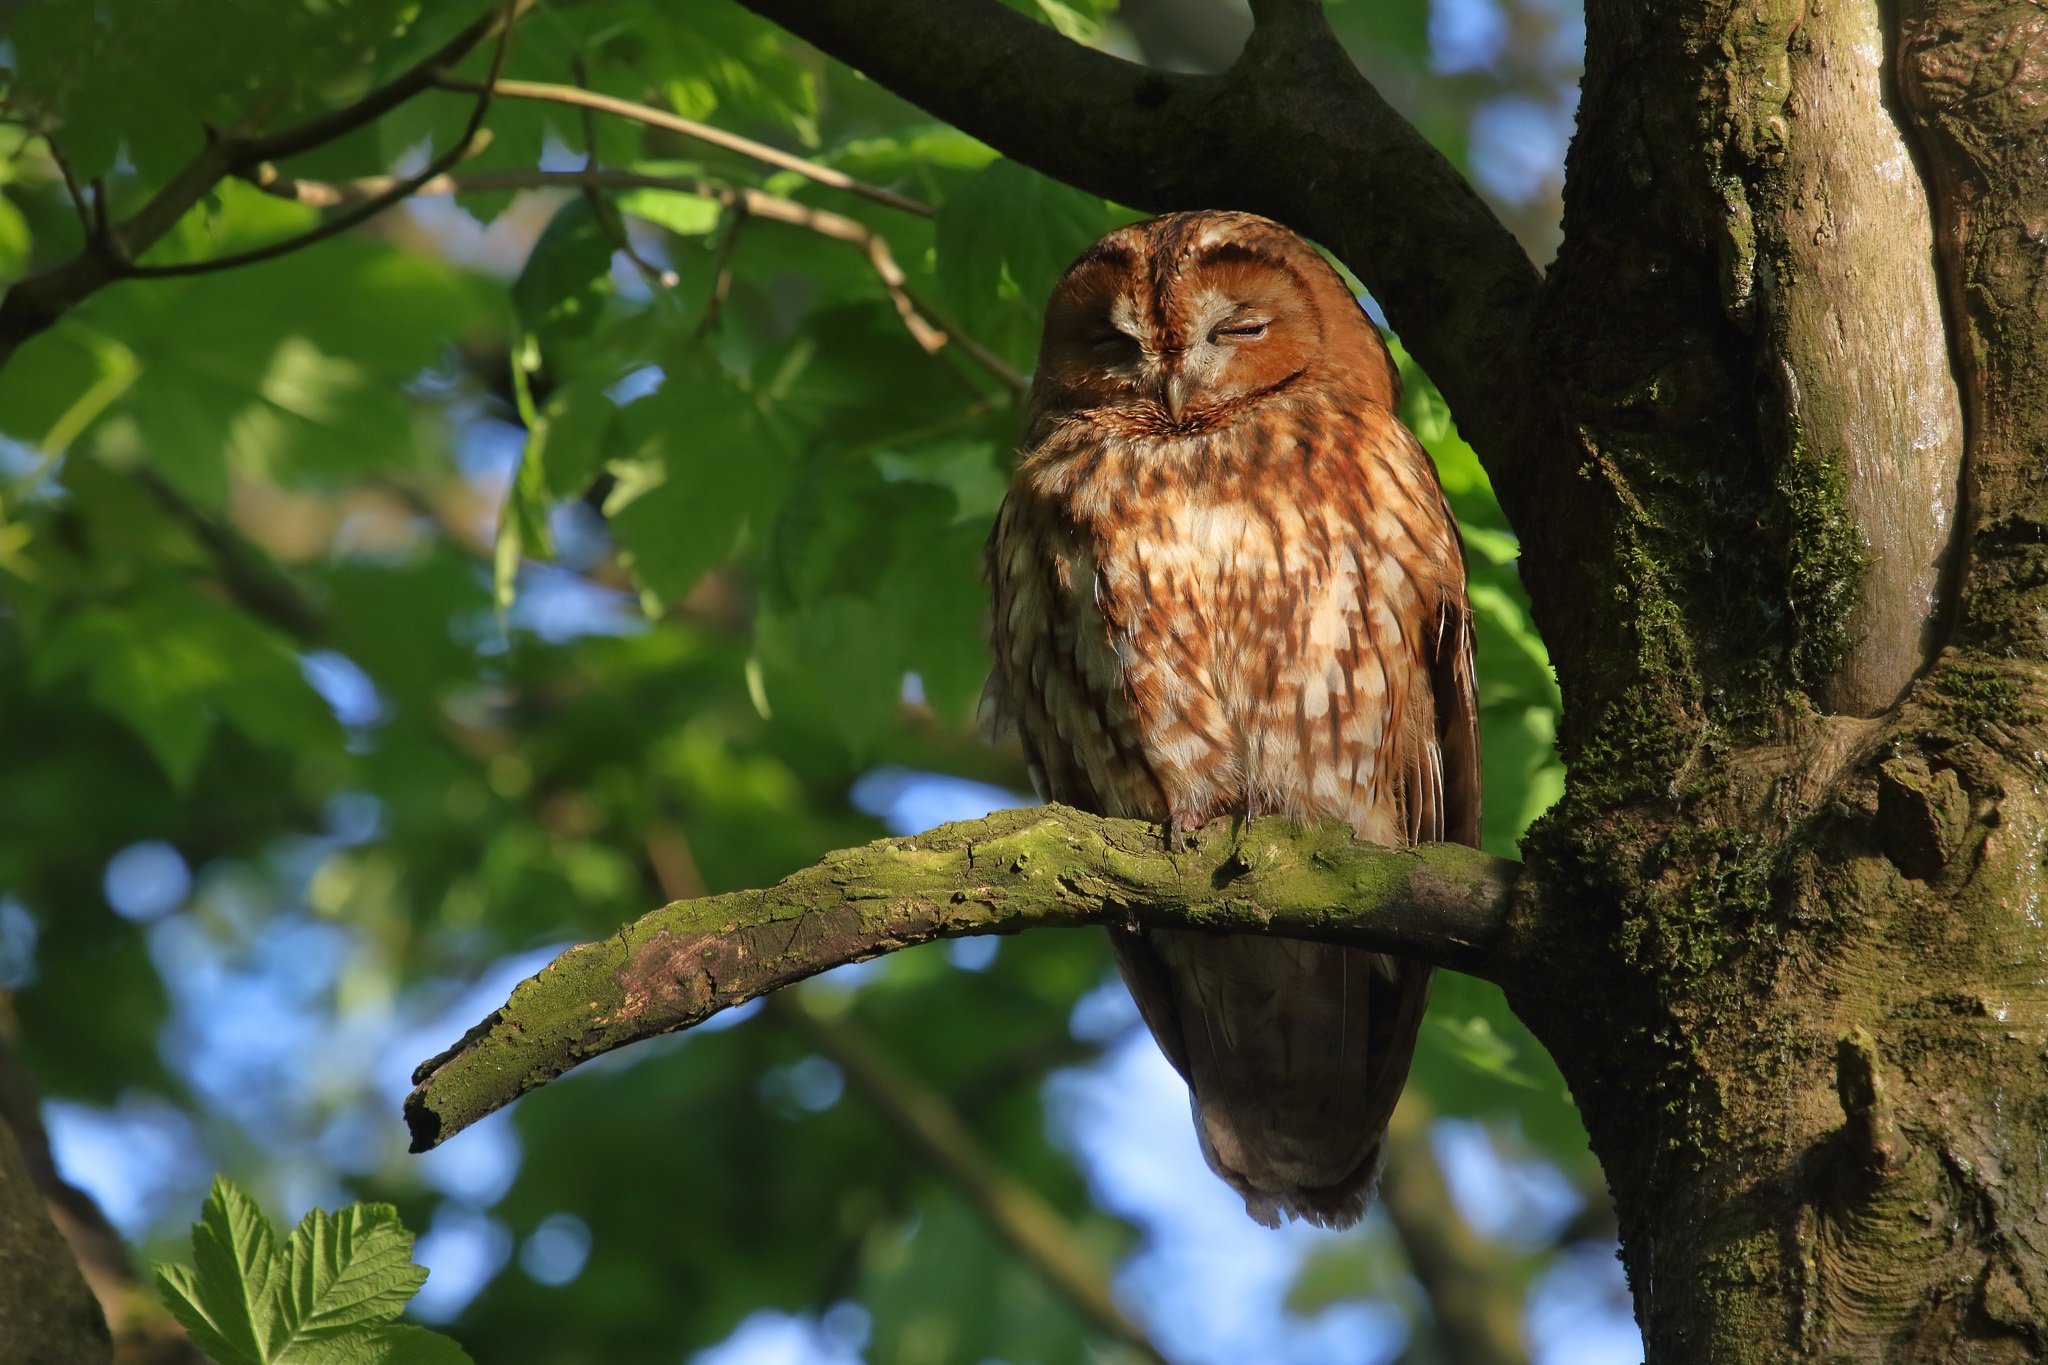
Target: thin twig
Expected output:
[32,305]
[369,208]
[253,582]
[601,210]
[703,132]
[927,326]
[420,76]
[1018,1214]
[86,218]
[721,278]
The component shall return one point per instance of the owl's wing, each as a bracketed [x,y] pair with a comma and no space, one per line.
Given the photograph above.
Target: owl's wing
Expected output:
[1438,758]
[1453,685]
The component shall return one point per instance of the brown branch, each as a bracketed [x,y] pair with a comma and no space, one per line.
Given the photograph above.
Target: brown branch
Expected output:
[601,209]
[463,146]
[252,581]
[1018,1214]
[1477,1308]
[47,1312]
[92,218]
[703,132]
[1049,867]
[1292,131]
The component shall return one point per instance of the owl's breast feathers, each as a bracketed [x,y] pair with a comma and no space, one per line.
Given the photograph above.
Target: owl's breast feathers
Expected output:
[1269,618]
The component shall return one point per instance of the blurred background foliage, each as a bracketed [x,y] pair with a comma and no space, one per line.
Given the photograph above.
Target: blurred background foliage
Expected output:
[376,619]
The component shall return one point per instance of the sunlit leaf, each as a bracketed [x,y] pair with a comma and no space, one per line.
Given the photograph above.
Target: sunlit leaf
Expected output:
[1004,238]
[229,1298]
[562,291]
[328,1297]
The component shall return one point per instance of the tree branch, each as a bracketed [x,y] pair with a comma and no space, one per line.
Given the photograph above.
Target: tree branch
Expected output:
[1050,867]
[1017,1214]
[1478,1310]
[1292,131]
[703,132]
[252,580]
[31,306]
[926,325]
[466,142]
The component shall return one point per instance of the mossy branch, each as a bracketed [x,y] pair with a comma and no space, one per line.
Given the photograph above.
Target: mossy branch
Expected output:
[1049,867]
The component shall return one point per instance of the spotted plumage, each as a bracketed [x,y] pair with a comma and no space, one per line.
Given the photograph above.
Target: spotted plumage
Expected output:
[1226,582]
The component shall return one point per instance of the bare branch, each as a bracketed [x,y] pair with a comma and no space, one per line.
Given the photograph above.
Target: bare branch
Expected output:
[92,218]
[418,77]
[703,132]
[1018,1214]
[252,581]
[1050,867]
[721,268]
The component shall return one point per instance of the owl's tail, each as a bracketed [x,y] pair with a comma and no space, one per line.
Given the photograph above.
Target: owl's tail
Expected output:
[1294,1053]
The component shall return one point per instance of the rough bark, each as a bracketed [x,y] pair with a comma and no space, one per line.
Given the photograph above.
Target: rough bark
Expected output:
[47,1314]
[143,1332]
[1813,1071]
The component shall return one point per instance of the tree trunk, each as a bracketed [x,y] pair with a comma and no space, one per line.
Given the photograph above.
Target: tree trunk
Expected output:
[47,1314]
[1797,876]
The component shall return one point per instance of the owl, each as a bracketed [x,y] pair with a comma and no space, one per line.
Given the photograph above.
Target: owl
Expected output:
[1225,583]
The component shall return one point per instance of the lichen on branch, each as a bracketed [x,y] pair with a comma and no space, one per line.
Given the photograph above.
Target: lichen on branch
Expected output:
[1049,867]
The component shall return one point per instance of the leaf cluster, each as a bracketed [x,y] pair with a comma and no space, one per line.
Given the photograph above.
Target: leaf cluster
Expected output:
[329,1296]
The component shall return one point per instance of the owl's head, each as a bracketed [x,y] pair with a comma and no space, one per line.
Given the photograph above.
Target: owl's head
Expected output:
[1192,321]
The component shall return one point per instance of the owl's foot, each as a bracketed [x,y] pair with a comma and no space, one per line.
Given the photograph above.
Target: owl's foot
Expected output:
[1179,830]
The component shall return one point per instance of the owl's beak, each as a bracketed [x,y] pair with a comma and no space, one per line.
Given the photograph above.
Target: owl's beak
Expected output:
[1175,393]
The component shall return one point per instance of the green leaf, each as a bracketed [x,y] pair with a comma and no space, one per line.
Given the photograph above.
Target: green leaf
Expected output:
[14,242]
[966,469]
[228,1300]
[344,1271]
[170,660]
[391,1344]
[561,293]
[1473,1042]
[523,524]
[1004,238]
[686,215]
[703,467]
[331,1298]
[581,420]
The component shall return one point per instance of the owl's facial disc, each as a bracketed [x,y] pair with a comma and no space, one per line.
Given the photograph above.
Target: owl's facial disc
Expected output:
[1181,347]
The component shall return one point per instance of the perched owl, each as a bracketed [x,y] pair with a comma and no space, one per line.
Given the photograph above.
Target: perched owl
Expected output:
[1226,582]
